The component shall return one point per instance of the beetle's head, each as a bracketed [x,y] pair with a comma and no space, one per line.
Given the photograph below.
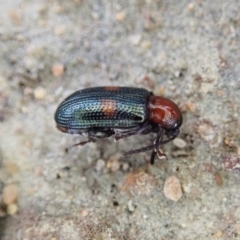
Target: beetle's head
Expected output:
[164,112]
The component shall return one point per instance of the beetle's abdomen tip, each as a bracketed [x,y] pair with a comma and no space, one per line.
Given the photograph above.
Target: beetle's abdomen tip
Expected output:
[62,129]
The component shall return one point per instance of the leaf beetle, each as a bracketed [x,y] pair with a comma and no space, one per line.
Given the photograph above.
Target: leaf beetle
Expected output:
[101,112]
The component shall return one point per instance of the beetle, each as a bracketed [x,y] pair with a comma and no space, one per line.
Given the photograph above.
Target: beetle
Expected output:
[101,112]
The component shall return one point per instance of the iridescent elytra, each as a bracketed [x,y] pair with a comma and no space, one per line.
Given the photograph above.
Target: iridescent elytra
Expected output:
[101,112]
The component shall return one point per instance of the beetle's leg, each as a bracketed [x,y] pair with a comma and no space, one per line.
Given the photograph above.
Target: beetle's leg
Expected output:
[150,147]
[119,136]
[93,134]
[156,150]
[142,130]
[170,137]
[100,133]
[84,142]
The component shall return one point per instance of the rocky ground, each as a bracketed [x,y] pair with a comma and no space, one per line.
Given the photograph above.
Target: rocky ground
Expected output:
[185,50]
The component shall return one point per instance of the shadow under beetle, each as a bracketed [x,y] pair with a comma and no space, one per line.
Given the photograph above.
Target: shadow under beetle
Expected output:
[101,112]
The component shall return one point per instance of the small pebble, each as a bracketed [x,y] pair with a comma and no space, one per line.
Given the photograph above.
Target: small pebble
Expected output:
[62,173]
[180,143]
[120,16]
[28,91]
[135,39]
[187,188]
[58,70]
[218,234]
[100,165]
[34,50]
[12,209]
[177,73]
[206,87]
[12,168]
[84,213]
[130,205]
[230,142]
[10,194]
[60,30]
[125,166]
[95,15]
[180,153]
[218,179]
[191,6]
[172,188]
[113,165]
[39,93]
[146,44]
[58,9]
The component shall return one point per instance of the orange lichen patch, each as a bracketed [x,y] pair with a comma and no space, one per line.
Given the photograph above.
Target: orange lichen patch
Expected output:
[62,129]
[109,107]
[112,88]
[140,182]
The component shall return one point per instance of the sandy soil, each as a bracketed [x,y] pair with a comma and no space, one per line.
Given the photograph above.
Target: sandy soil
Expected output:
[185,50]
